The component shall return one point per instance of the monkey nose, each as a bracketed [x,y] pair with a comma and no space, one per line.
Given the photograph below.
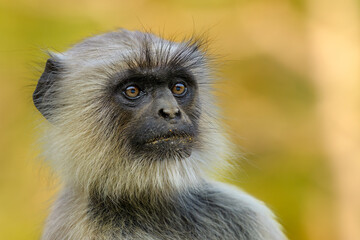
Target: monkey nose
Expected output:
[170,113]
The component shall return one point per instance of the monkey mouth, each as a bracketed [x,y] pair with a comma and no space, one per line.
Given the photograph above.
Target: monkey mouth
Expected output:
[167,143]
[169,146]
[171,139]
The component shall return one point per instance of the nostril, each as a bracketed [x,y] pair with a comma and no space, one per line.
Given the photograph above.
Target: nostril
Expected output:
[177,113]
[163,114]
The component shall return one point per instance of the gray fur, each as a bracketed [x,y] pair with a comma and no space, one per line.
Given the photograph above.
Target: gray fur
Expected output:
[111,192]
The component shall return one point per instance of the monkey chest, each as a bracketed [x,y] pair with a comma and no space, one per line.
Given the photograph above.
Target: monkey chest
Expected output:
[170,221]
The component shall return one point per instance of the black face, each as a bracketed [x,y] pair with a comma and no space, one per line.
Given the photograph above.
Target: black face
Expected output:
[162,112]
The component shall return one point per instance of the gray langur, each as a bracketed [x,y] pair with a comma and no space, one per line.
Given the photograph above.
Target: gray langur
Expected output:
[131,127]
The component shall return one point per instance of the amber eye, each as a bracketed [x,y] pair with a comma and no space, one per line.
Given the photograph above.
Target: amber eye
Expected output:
[179,89]
[132,92]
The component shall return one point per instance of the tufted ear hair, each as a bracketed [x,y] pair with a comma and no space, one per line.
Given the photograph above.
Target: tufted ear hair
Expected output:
[44,94]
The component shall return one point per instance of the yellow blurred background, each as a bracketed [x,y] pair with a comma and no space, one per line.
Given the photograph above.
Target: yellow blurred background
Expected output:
[290,96]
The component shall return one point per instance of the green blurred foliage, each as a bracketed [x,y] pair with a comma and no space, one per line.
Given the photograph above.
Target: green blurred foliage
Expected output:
[268,104]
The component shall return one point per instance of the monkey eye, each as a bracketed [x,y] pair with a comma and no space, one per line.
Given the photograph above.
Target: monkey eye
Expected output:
[179,89]
[132,92]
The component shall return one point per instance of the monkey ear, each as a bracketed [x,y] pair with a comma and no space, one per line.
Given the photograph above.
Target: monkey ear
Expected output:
[45,91]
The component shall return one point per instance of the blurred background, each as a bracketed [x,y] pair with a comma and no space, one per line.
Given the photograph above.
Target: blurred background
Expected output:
[290,96]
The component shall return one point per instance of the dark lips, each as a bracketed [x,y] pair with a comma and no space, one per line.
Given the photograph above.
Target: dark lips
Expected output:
[170,138]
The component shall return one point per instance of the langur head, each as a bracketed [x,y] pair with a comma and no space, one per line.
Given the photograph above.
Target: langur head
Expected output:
[130,113]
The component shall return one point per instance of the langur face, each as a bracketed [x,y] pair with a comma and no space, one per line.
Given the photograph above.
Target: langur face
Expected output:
[143,102]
